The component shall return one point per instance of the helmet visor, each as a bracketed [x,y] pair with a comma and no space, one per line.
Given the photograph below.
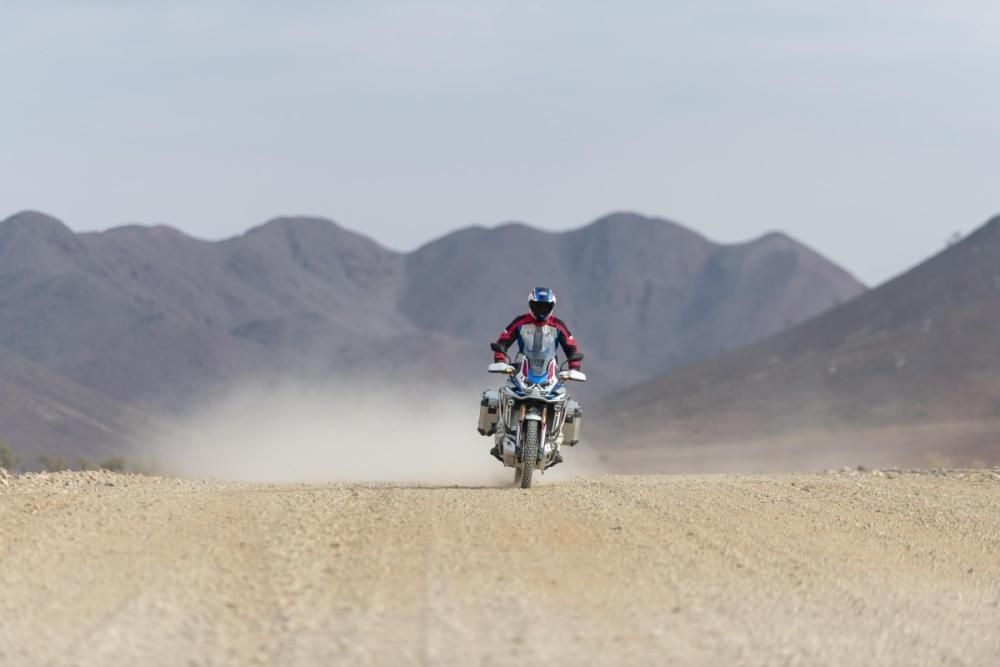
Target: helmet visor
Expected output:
[541,309]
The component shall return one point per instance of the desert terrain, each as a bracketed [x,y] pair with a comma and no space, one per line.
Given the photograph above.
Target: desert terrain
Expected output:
[846,568]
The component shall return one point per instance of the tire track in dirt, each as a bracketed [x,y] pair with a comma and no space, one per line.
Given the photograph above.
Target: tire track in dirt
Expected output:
[755,570]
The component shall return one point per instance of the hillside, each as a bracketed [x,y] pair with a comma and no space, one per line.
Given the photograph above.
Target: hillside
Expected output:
[643,293]
[921,349]
[154,317]
[42,413]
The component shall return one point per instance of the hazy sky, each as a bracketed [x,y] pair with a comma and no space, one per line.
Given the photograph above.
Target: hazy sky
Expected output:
[868,129]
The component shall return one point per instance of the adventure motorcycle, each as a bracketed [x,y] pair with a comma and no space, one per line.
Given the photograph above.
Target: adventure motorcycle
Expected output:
[531,415]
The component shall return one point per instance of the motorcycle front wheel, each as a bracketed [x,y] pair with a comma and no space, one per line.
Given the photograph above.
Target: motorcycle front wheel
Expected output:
[529,454]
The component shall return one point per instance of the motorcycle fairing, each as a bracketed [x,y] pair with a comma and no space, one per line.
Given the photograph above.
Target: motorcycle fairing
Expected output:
[539,345]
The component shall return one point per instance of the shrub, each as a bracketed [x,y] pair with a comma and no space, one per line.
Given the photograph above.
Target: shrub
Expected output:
[52,463]
[83,463]
[114,464]
[8,459]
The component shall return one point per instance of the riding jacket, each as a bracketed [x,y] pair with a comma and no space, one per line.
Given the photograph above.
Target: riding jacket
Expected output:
[525,325]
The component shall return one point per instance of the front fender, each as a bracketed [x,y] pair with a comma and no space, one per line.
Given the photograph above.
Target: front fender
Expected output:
[533,414]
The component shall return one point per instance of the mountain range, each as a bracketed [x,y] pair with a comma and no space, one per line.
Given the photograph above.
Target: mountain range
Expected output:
[43,412]
[913,365]
[151,318]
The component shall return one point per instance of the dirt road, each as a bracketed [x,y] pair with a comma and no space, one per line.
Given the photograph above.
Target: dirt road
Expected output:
[838,569]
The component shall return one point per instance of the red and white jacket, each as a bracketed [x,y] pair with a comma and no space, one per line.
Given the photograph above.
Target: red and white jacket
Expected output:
[512,334]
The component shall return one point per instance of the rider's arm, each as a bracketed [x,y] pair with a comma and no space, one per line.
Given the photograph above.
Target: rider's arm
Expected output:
[568,343]
[509,335]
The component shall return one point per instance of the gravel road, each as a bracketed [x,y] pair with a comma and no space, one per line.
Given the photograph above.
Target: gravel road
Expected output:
[867,568]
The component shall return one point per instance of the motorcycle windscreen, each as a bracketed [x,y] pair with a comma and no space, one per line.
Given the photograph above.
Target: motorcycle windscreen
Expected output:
[539,344]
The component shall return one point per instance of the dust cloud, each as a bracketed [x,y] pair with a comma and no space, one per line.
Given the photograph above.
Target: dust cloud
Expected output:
[297,432]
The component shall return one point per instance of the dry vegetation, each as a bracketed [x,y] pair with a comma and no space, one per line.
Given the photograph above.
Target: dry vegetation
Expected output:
[12,461]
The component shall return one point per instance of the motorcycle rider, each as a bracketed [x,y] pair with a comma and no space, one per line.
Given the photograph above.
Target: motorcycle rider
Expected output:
[541,302]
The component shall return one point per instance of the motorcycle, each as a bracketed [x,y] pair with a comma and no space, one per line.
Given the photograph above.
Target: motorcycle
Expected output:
[531,415]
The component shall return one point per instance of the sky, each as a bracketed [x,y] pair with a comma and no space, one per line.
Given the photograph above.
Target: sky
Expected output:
[869,130]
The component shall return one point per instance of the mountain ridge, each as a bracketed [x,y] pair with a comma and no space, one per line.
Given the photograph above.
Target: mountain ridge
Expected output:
[154,317]
[44,413]
[919,349]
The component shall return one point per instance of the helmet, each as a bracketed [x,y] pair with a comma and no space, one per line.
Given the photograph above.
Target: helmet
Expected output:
[541,301]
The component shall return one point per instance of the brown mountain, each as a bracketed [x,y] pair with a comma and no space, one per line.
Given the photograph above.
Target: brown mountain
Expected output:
[43,413]
[147,314]
[152,316]
[920,354]
[641,293]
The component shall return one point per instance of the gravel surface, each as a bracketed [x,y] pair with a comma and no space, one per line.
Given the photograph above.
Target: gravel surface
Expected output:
[846,568]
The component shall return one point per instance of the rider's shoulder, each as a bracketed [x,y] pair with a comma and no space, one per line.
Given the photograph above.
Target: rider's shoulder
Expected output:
[521,320]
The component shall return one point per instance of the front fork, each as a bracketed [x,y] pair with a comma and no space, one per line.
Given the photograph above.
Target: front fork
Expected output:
[535,413]
[525,412]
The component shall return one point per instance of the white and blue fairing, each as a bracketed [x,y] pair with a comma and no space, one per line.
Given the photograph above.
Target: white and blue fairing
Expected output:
[538,371]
